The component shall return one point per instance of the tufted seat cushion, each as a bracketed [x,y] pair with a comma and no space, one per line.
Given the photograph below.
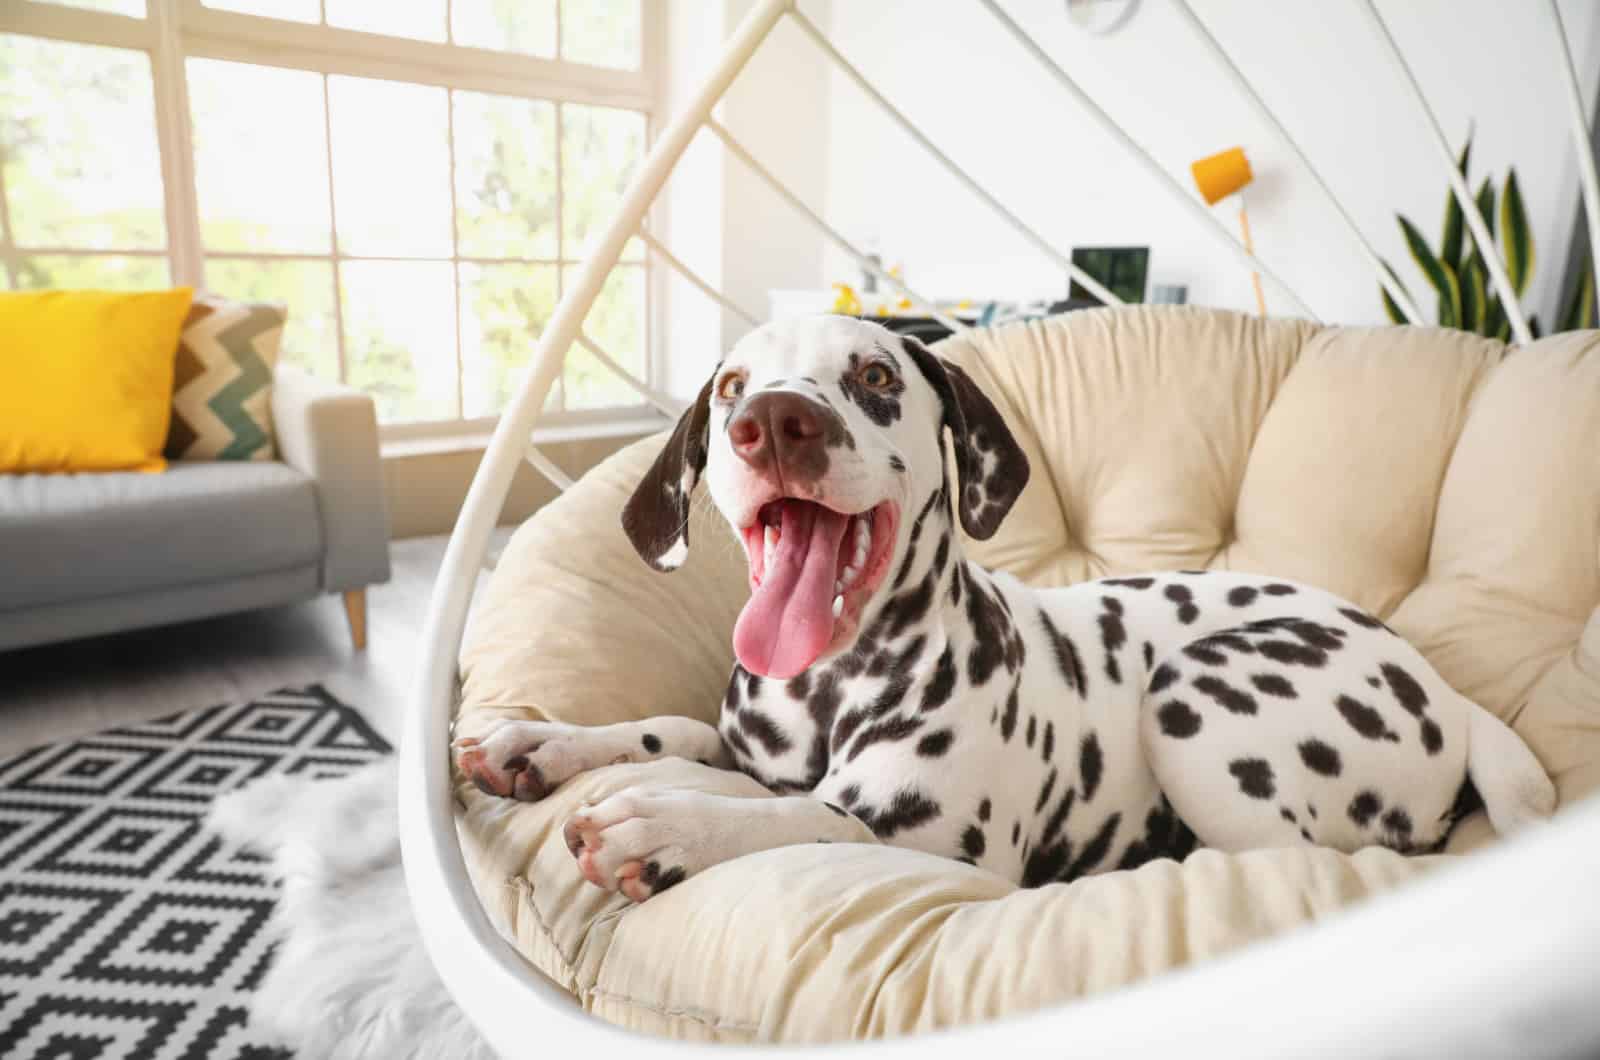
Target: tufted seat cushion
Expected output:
[1436,478]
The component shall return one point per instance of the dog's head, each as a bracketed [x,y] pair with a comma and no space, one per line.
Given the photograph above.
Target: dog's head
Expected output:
[816,438]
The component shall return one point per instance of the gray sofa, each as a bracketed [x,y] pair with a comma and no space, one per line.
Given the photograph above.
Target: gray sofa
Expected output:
[84,554]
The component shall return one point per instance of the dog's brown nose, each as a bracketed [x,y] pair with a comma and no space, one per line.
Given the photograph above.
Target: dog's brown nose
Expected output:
[785,429]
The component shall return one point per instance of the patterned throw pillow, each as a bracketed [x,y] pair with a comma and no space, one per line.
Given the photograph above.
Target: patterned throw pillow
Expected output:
[222,390]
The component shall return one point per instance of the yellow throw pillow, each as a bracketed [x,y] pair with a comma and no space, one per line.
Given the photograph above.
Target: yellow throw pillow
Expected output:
[86,378]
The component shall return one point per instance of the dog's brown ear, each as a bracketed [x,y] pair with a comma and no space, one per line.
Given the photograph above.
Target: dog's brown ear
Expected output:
[656,517]
[992,466]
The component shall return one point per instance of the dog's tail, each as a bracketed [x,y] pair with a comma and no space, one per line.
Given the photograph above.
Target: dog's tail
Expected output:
[1515,789]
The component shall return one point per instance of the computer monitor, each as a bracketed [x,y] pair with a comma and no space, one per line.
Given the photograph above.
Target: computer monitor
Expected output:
[1123,270]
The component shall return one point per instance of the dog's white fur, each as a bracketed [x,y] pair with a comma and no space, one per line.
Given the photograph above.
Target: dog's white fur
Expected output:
[350,977]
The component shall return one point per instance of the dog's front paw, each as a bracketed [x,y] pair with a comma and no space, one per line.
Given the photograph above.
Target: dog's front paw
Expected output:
[644,840]
[527,760]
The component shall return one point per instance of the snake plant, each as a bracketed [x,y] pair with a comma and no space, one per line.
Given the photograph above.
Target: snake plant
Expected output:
[1457,272]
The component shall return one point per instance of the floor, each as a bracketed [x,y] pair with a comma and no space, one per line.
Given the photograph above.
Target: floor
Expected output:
[62,691]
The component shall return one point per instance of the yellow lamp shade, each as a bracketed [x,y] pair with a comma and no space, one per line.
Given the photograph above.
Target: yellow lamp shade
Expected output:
[1222,174]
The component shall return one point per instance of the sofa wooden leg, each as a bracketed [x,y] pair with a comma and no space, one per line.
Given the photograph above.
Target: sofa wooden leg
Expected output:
[355,612]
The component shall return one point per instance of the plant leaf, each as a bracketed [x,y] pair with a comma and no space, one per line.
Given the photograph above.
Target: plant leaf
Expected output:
[1515,235]
[1450,244]
[1389,306]
[1474,295]
[1580,311]
[1486,205]
[1440,275]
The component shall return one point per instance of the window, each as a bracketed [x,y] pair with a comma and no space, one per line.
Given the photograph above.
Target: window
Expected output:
[417,181]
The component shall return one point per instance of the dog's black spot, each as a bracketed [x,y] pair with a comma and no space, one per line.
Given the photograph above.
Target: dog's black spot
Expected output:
[1321,758]
[1254,776]
[1374,682]
[670,879]
[1278,589]
[941,554]
[1184,598]
[936,693]
[972,842]
[846,727]
[935,743]
[764,731]
[881,405]
[896,463]
[1129,583]
[1234,700]
[1165,674]
[1113,635]
[984,809]
[799,686]
[909,808]
[1095,850]
[1008,720]
[652,742]
[1312,810]
[1432,737]
[1091,765]
[1306,835]
[1202,651]
[1066,652]
[1361,618]
[1288,815]
[891,695]
[1243,596]
[1405,688]
[850,794]
[1291,653]
[650,873]
[890,730]
[1045,791]
[736,742]
[1274,685]
[1033,730]
[1047,747]
[1149,655]
[836,809]
[906,608]
[1364,720]
[1177,719]
[735,692]
[995,641]
[1364,807]
[1397,823]
[752,686]
[1165,835]
[822,704]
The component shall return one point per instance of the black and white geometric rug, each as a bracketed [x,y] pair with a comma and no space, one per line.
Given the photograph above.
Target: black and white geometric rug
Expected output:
[126,930]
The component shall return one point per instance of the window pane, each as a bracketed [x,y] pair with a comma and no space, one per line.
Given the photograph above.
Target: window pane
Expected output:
[616,323]
[601,32]
[400,336]
[504,308]
[505,176]
[526,26]
[116,7]
[261,157]
[418,19]
[113,272]
[600,146]
[305,287]
[78,129]
[293,10]
[391,168]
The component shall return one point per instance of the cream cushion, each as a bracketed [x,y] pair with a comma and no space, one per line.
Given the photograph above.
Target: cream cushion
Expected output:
[1437,478]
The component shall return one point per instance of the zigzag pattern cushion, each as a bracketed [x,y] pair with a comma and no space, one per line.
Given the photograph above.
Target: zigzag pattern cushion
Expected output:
[222,387]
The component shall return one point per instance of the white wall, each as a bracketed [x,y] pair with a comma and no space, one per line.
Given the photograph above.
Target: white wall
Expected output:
[948,64]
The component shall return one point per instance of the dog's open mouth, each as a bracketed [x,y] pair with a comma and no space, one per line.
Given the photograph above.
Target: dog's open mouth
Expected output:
[812,570]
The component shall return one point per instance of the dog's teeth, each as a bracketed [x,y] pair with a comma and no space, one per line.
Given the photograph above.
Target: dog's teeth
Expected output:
[849,576]
[838,606]
[838,586]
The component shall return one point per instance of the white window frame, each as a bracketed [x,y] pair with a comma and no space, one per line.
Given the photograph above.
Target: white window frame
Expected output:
[176,30]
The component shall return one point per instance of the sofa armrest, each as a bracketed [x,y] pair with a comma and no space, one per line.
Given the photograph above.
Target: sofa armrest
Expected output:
[330,432]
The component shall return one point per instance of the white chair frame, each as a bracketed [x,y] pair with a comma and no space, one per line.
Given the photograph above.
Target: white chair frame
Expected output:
[1498,955]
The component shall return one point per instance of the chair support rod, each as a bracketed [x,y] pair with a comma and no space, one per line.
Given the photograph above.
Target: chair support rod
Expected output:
[689,274]
[1580,143]
[667,406]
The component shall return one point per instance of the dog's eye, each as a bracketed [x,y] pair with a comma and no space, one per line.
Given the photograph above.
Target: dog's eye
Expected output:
[731,387]
[876,376]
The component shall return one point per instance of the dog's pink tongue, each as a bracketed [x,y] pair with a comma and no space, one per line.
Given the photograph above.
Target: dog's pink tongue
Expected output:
[789,619]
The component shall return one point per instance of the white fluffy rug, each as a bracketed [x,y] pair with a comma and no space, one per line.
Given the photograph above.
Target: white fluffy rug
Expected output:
[350,978]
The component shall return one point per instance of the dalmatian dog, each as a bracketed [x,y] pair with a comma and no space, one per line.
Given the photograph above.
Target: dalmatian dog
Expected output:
[889,690]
